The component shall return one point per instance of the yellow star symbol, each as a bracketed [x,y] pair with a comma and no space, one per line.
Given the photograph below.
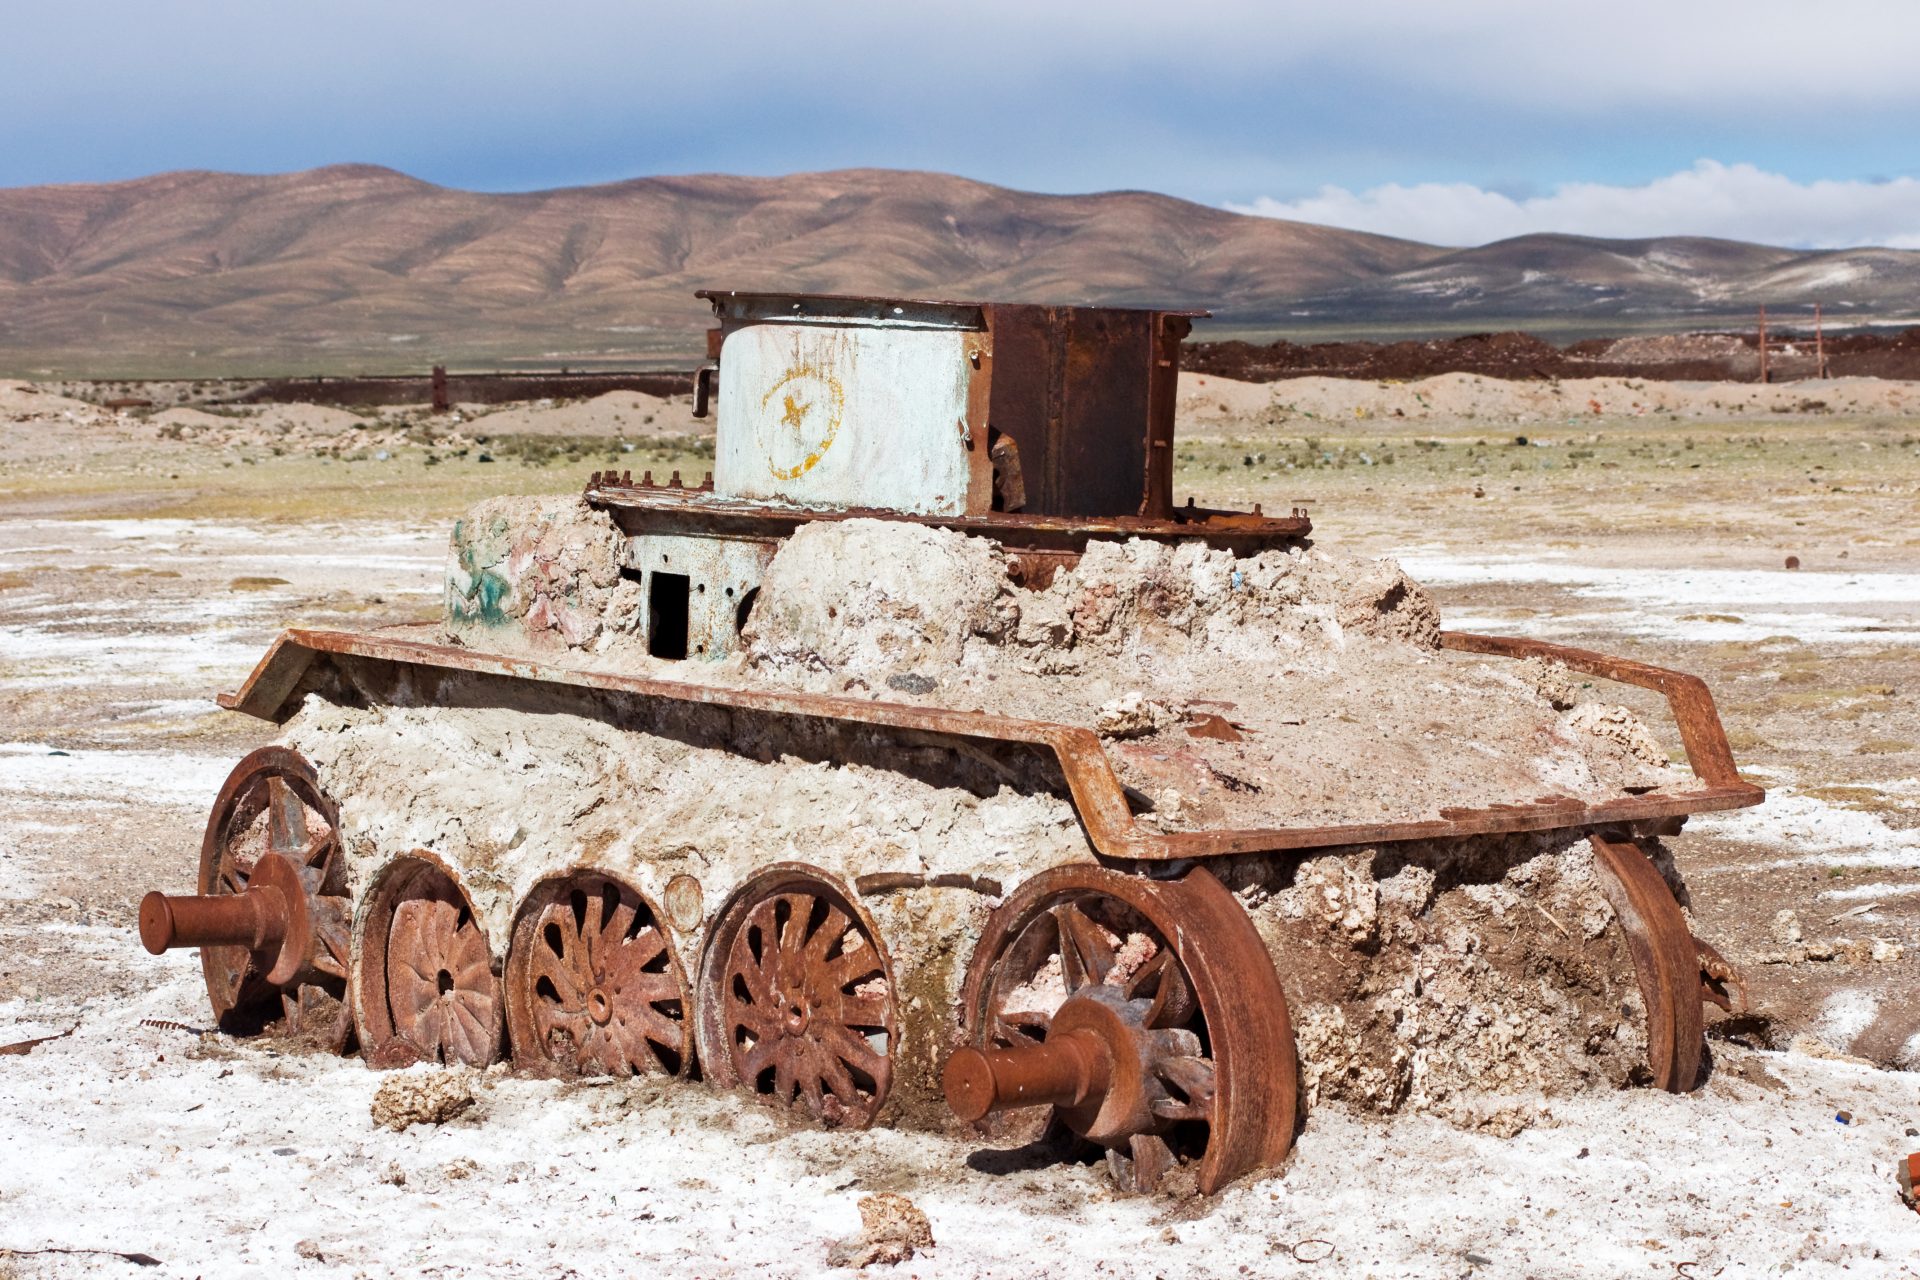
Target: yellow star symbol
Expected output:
[795,415]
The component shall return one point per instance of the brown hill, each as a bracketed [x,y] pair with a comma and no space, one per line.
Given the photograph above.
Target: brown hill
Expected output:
[355,267]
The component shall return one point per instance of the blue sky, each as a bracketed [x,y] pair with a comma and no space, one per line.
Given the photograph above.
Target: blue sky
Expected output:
[1450,120]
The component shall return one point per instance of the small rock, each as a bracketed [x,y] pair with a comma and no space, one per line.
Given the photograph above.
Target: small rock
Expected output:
[1786,927]
[1814,1047]
[1132,715]
[912,682]
[309,1250]
[1619,726]
[894,1229]
[1551,681]
[394,1175]
[431,1096]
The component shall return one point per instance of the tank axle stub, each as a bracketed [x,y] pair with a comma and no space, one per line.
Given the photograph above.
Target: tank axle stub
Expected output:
[268,918]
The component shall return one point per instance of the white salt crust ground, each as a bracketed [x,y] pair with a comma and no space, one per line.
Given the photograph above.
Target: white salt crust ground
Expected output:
[85,1142]
[230,1160]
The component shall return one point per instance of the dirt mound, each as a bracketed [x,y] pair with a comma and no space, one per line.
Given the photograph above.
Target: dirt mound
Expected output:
[1210,405]
[1697,357]
[1425,976]
[1325,668]
[27,402]
[613,414]
[282,426]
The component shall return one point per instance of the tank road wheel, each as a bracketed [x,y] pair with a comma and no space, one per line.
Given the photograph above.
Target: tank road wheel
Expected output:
[271,920]
[1146,1013]
[796,998]
[1666,960]
[425,989]
[593,983]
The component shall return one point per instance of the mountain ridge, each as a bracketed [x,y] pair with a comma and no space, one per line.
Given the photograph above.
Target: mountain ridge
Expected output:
[361,266]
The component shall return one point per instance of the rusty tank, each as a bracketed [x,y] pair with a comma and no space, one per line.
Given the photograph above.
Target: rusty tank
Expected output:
[889,774]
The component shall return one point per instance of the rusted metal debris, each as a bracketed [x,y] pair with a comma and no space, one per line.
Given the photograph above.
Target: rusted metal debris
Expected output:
[1183,1052]
[426,988]
[21,1048]
[1164,1035]
[270,919]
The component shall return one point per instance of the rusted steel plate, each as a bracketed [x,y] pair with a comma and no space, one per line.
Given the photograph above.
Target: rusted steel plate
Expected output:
[1097,793]
[1664,960]
[846,416]
[665,509]
[834,304]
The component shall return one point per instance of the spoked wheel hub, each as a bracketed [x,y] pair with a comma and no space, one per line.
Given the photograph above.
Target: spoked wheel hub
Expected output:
[425,986]
[1145,1013]
[593,983]
[796,999]
[271,917]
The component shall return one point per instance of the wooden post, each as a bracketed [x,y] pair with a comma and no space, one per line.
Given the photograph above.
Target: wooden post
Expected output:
[1819,344]
[1763,342]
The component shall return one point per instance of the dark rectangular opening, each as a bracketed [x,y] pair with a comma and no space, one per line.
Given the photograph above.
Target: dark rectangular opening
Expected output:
[667,614]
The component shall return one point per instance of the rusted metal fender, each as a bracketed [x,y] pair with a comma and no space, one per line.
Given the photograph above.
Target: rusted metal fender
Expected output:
[1666,960]
[1098,796]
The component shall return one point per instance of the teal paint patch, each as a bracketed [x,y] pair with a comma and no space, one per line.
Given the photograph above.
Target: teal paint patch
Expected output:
[477,593]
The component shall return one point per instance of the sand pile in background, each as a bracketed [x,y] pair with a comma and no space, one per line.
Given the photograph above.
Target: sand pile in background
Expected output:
[26,402]
[616,415]
[320,428]
[627,415]
[1209,404]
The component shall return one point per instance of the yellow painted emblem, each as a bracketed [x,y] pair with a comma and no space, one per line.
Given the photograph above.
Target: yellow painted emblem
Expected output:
[797,433]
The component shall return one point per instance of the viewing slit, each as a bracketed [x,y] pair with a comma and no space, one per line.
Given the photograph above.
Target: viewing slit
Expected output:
[667,595]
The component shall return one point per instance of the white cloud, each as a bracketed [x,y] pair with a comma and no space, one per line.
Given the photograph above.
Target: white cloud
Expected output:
[1734,201]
